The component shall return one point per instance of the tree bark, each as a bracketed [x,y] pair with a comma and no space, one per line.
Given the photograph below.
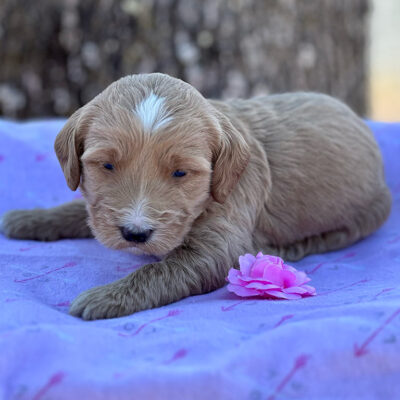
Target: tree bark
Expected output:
[57,55]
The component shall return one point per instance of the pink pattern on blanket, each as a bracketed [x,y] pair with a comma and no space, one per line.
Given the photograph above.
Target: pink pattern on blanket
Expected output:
[299,363]
[22,249]
[178,355]
[63,304]
[362,350]
[232,306]
[67,265]
[40,157]
[394,240]
[283,319]
[344,287]
[54,380]
[171,313]
[10,300]
[382,292]
[345,256]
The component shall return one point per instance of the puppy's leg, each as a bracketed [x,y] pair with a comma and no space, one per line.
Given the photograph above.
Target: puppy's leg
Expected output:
[198,266]
[65,221]
[322,243]
[366,221]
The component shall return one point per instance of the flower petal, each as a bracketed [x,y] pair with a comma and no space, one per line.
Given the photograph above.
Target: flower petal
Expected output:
[282,295]
[289,268]
[245,263]
[274,275]
[242,291]
[274,260]
[311,290]
[258,268]
[296,290]
[301,278]
[261,286]
[288,278]
[233,276]
[253,279]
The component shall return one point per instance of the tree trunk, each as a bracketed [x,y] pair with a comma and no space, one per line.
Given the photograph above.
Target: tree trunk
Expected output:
[56,55]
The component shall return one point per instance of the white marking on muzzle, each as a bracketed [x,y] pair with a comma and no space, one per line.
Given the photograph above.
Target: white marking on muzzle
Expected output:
[134,218]
[152,113]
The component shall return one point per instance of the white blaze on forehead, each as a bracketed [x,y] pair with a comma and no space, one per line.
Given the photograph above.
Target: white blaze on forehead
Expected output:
[152,112]
[134,218]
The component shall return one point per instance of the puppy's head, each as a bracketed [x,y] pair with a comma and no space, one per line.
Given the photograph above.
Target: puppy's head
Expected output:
[147,154]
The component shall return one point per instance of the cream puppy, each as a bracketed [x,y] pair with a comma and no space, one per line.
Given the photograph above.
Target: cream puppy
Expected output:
[197,182]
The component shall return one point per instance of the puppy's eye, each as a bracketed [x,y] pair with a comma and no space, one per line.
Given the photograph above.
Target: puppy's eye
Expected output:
[178,173]
[108,166]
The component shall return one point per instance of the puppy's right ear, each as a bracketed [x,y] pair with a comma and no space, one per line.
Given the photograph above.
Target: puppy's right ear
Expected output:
[69,147]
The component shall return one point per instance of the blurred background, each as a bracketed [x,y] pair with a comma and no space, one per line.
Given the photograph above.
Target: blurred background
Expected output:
[57,55]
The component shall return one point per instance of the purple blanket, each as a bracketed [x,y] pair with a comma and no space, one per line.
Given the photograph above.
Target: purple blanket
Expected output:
[343,343]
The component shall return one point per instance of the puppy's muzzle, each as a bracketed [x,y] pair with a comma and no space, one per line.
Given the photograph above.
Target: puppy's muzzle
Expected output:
[135,236]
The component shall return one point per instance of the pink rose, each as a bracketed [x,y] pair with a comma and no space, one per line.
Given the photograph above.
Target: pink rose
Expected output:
[267,276]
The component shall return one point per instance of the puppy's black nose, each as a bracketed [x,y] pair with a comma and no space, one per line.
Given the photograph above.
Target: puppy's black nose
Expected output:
[135,236]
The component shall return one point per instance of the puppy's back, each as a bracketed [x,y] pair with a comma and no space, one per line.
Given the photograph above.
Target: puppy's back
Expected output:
[326,167]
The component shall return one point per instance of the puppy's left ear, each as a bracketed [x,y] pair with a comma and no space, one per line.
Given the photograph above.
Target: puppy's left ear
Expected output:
[230,158]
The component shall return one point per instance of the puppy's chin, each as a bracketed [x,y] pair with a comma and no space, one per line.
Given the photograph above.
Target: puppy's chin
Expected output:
[136,251]
[153,251]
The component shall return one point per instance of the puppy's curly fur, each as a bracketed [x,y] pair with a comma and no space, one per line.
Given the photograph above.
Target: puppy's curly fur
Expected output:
[289,175]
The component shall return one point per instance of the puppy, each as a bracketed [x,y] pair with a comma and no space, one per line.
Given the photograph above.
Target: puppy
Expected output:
[198,182]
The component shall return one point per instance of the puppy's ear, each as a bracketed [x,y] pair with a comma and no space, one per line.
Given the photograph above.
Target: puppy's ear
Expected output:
[69,147]
[230,158]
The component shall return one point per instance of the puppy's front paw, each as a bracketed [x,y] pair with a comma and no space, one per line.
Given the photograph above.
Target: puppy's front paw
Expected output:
[109,301]
[28,224]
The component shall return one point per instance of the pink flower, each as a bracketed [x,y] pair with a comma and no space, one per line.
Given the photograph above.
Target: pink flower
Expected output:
[267,276]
